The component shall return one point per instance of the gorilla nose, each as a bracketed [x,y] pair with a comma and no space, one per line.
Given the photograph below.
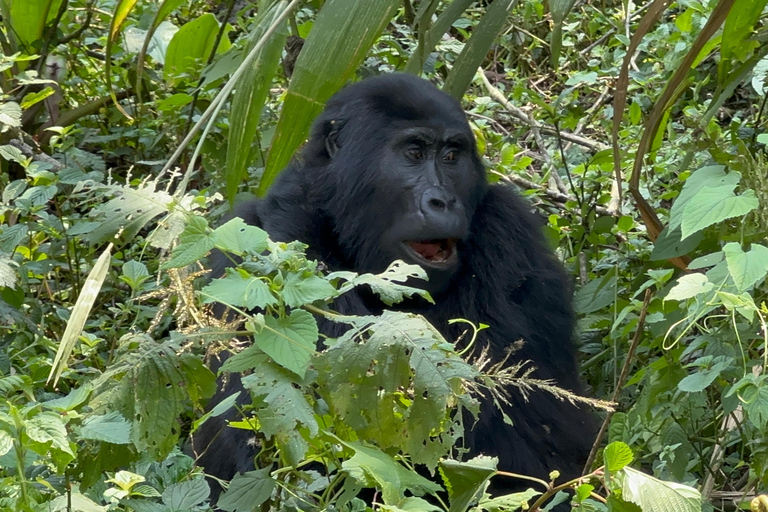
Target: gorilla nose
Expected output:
[436,200]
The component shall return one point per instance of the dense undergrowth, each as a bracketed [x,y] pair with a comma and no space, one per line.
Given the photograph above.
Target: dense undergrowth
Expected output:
[660,214]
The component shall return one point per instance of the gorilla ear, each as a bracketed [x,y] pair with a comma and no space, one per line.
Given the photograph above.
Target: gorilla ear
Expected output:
[331,136]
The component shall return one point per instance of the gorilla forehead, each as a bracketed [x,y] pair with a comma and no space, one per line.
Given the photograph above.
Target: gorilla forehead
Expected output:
[399,97]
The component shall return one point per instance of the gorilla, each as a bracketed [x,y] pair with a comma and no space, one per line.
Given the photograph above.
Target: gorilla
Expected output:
[391,171]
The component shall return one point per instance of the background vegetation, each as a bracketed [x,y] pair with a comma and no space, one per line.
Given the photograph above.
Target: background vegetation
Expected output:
[637,130]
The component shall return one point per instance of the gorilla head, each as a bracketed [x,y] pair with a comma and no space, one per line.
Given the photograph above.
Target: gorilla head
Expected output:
[394,165]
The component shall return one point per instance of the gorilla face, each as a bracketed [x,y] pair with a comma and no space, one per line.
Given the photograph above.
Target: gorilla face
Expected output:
[405,174]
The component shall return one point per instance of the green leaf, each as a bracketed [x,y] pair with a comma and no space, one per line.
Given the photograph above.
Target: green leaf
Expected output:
[26,20]
[465,481]
[712,205]
[387,284]
[737,29]
[755,403]
[617,455]
[239,290]
[690,285]
[653,495]
[476,49]
[110,428]
[6,442]
[299,290]
[48,427]
[671,245]
[247,491]
[326,62]
[250,93]
[195,242]
[704,376]
[746,268]
[559,10]
[372,467]
[596,294]
[192,45]
[710,176]
[128,212]
[75,398]
[186,495]
[237,237]
[290,341]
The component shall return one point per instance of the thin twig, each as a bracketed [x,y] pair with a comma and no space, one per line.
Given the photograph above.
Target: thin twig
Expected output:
[622,379]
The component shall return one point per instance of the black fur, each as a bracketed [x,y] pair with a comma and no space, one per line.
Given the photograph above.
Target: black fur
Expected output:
[353,197]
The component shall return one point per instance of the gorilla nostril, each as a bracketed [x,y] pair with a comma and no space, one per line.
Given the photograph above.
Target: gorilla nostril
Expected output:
[438,204]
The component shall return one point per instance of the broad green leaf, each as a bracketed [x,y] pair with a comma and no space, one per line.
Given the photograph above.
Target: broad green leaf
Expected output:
[326,62]
[110,428]
[186,495]
[713,205]
[465,481]
[653,495]
[36,97]
[476,49]
[75,398]
[192,45]
[26,20]
[737,29]
[747,268]
[238,290]
[372,467]
[704,376]
[195,242]
[617,455]
[670,244]
[128,212]
[711,176]
[596,294]
[286,408]
[48,427]
[514,501]
[247,491]
[10,117]
[239,238]
[299,290]
[289,341]
[755,403]
[690,285]
[80,312]
[250,93]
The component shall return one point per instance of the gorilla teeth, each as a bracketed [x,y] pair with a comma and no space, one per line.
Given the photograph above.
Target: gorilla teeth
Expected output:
[435,251]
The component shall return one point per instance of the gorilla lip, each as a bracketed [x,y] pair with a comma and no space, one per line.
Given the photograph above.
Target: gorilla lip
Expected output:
[434,253]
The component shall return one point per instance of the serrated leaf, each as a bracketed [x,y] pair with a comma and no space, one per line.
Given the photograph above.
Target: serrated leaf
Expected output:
[110,428]
[290,341]
[48,427]
[746,268]
[247,491]
[299,290]
[372,467]
[465,481]
[239,238]
[389,284]
[690,285]
[186,495]
[704,376]
[712,205]
[617,455]
[653,495]
[240,291]
[128,212]
[195,242]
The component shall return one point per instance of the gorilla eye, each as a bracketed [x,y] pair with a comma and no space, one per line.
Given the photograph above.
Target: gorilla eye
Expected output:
[451,156]
[415,153]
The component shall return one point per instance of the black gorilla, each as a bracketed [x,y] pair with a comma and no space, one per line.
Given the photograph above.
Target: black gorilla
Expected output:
[391,172]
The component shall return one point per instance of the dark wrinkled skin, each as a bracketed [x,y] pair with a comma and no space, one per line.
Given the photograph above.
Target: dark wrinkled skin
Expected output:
[390,160]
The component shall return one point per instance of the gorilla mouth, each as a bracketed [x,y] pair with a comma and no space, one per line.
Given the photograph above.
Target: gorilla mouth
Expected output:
[434,253]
